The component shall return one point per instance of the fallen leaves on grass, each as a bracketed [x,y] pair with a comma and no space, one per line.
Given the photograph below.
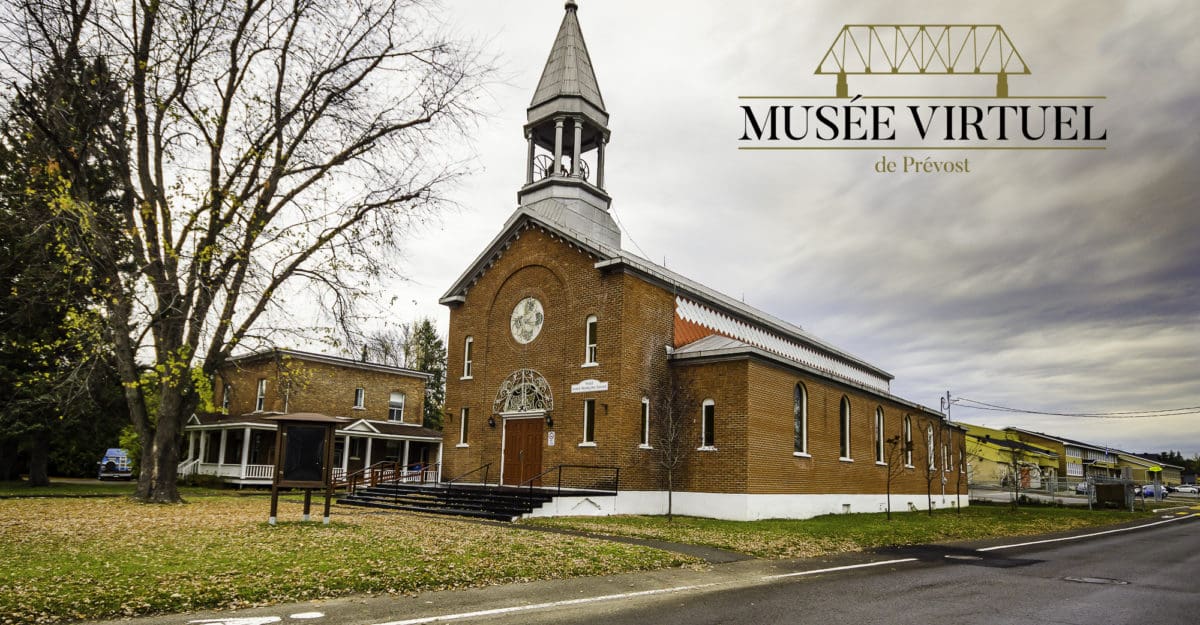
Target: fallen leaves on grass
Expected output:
[87,559]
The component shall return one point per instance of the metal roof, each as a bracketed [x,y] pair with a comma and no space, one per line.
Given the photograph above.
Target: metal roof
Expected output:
[717,347]
[329,360]
[568,71]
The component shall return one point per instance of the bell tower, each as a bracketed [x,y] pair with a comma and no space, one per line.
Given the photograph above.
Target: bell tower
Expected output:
[567,131]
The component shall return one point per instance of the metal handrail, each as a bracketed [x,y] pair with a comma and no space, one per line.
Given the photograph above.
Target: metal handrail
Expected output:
[485,468]
[352,480]
[558,489]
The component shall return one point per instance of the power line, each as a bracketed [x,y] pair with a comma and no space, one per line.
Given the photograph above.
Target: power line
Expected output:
[1133,414]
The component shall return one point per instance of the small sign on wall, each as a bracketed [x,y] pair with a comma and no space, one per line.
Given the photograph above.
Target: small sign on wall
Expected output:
[589,386]
[550,439]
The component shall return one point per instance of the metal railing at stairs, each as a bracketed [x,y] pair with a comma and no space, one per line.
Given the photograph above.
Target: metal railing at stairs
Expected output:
[388,472]
[589,477]
[485,468]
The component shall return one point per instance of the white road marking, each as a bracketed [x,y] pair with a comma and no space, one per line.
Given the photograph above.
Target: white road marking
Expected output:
[840,568]
[544,606]
[1094,534]
[249,620]
[307,615]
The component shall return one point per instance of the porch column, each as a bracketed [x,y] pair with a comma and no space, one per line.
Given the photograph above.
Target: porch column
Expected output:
[346,454]
[367,457]
[245,451]
[439,461]
[203,445]
[191,445]
[221,449]
[404,458]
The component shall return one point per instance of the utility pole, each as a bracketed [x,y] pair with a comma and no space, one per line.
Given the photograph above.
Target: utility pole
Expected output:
[946,402]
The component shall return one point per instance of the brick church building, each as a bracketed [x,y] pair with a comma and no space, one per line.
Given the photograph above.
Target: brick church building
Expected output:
[565,349]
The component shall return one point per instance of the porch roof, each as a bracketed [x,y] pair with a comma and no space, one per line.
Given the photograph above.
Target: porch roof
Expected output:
[370,428]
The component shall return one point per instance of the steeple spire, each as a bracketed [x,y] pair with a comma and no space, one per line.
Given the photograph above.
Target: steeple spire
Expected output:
[568,72]
[567,133]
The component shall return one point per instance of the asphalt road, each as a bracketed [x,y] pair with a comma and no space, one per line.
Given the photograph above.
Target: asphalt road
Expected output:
[1144,577]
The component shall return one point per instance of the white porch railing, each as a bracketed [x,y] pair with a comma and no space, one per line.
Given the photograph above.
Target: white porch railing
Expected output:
[187,468]
[253,471]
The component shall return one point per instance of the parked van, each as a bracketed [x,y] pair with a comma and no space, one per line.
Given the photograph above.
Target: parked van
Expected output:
[115,465]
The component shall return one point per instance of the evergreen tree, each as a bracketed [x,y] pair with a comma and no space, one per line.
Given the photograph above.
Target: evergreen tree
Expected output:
[429,356]
[57,188]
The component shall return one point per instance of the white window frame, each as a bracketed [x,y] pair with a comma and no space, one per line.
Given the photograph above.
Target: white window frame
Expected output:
[360,398]
[844,424]
[880,457]
[946,458]
[464,419]
[590,346]
[260,398]
[708,435]
[800,417]
[468,343]
[645,424]
[589,423]
[392,408]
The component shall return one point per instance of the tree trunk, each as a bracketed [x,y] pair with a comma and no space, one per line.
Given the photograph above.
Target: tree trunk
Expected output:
[8,460]
[929,496]
[39,458]
[670,493]
[163,456]
[889,495]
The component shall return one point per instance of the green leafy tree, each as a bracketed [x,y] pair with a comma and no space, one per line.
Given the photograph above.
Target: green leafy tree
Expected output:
[272,152]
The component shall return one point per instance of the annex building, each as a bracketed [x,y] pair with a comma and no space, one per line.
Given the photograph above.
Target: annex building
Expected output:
[570,356]
[380,408]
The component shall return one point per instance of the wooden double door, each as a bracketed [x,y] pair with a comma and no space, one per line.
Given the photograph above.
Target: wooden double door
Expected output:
[522,450]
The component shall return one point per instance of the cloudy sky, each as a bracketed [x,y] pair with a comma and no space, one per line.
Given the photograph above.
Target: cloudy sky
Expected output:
[1054,281]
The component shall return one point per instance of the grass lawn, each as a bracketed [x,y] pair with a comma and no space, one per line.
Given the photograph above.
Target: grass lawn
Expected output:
[90,488]
[71,559]
[841,533]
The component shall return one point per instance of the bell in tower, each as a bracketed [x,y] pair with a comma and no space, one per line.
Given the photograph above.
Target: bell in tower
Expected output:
[566,133]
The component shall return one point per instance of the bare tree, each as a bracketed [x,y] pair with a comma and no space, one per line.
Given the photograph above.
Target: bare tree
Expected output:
[897,451]
[277,153]
[933,440]
[673,408]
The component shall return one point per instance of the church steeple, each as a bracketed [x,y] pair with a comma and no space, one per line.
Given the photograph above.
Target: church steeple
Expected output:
[566,133]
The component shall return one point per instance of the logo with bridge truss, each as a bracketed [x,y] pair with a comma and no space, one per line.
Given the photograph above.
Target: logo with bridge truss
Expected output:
[979,57]
[922,50]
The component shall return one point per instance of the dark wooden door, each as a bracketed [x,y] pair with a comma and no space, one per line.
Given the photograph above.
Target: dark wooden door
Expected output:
[522,450]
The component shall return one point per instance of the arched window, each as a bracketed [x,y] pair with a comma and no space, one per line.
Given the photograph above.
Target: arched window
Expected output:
[800,420]
[589,351]
[879,434]
[396,407]
[708,418]
[645,429]
[946,458]
[845,428]
[908,441]
[929,446]
[467,344]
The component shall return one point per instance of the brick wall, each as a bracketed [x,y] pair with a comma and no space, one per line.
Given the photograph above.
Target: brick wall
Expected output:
[298,385]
